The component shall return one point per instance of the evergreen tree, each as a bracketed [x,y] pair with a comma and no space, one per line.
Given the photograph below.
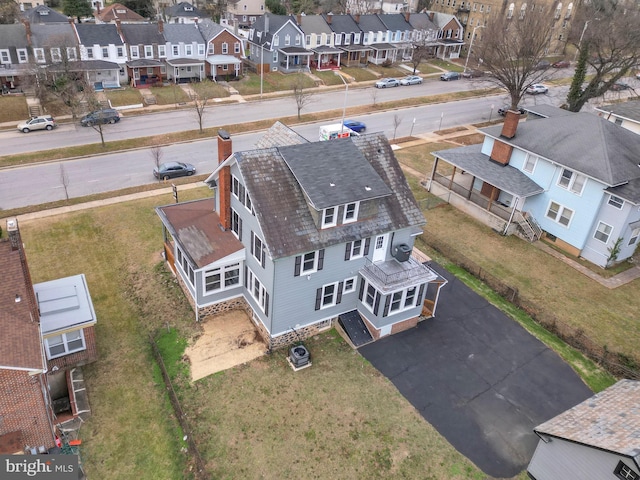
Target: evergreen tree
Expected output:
[575,91]
[77,8]
[141,7]
[275,7]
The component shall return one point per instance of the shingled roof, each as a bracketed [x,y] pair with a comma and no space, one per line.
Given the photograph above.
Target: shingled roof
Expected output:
[610,420]
[281,204]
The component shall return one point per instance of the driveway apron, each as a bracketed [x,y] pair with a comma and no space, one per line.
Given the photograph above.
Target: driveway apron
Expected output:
[479,378]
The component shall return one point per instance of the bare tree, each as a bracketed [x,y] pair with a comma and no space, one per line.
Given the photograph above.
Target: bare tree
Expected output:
[421,52]
[374,96]
[397,120]
[94,105]
[607,38]
[511,49]
[203,92]
[302,97]
[156,154]
[64,180]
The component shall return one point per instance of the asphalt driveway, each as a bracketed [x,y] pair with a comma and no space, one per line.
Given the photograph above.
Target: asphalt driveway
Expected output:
[479,378]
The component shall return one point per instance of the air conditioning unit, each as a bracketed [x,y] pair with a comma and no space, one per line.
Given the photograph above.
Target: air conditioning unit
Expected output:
[299,356]
[401,252]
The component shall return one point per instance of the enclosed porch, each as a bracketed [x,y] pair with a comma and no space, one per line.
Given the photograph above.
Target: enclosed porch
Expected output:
[326,58]
[223,66]
[146,73]
[355,55]
[294,59]
[185,70]
[382,52]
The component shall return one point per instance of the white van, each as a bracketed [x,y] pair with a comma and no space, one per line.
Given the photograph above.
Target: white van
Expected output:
[336,130]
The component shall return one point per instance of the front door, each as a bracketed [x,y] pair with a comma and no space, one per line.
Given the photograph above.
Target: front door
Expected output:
[380,248]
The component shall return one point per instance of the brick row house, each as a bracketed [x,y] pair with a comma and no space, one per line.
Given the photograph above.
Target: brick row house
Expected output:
[48,334]
[302,235]
[108,55]
[293,43]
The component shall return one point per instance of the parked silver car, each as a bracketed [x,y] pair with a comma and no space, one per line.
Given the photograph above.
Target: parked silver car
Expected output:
[387,82]
[411,80]
[42,122]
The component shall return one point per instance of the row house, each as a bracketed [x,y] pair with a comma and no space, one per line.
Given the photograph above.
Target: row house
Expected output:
[48,335]
[304,235]
[244,13]
[147,51]
[117,12]
[224,51]
[103,45]
[328,41]
[185,51]
[182,12]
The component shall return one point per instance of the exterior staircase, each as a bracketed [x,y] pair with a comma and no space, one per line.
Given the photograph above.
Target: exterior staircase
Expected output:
[35,110]
[528,226]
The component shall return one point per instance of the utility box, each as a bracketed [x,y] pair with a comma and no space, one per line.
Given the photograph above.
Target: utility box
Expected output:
[299,357]
[401,252]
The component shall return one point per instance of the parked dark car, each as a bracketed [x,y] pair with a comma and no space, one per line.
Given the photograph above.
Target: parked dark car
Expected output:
[355,125]
[473,74]
[446,76]
[561,64]
[105,115]
[173,169]
[619,86]
[502,111]
[542,65]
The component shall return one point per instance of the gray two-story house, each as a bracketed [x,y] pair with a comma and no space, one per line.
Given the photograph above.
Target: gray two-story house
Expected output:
[301,235]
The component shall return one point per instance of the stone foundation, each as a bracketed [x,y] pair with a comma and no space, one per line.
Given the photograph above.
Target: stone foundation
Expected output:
[300,334]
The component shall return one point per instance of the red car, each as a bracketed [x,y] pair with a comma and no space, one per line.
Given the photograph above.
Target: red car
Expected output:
[561,64]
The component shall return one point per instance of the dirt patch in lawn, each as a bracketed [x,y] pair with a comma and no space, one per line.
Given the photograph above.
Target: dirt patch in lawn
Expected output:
[227,340]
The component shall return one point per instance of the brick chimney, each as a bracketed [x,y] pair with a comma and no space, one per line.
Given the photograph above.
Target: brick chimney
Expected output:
[225,149]
[407,15]
[27,27]
[501,152]
[299,19]
[329,17]
[14,233]
[431,15]
[356,18]
[160,26]
[119,28]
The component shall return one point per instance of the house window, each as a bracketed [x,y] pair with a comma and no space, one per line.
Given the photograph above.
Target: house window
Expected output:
[350,212]
[4,56]
[275,57]
[318,40]
[236,224]
[162,51]
[327,296]
[225,48]
[22,55]
[222,278]
[186,267]
[635,233]
[200,49]
[175,49]
[65,343]
[258,248]
[287,40]
[120,51]
[89,52]
[105,52]
[560,214]
[603,232]
[39,54]
[247,202]
[212,49]
[188,50]
[309,263]
[276,41]
[329,217]
[257,291]
[149,71]
[370,297]
[71,53]
[616,202]
[55,55]
[148,51]
[625,473]
[298,39]
[135,52]
[355,249]
[349,285]
[572,181]
[347,38]
[400,301]
[530,163]
[356,38]
[235,186]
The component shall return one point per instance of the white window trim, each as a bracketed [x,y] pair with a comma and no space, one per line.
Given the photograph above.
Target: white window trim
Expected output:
[258,253]
[360,252]
[5,56]
[633,238]
[561,209]
[261,299]
[65,342]
[188,50]
[314,267]
[222,270]
[56,56]
[334,215]
[148,51]
[597,231]
[615,203]
[333,298]
[25,55]
[354,281]
[355,213]
[135,52]
[527,162]
[403,301]
[38,53]
[364,302]
[572,181]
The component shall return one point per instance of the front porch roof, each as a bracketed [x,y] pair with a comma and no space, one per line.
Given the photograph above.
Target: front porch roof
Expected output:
[382,46]
[184,62]
[506,178]
[195,226]
[144,62]
[223,60]
[295,51]
[84,66]
[355,48]
[326,49]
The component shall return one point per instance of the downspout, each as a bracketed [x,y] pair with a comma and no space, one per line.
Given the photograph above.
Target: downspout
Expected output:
[435,303]
[513,211]
[45,391]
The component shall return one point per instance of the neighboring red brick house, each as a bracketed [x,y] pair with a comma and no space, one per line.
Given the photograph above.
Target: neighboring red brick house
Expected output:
[47,332]
[225,51]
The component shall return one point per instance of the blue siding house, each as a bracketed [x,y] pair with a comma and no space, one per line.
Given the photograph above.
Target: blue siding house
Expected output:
[304,234]
[570,177]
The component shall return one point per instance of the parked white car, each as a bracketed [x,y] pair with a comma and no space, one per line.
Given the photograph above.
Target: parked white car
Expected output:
[42,122]
[537,88]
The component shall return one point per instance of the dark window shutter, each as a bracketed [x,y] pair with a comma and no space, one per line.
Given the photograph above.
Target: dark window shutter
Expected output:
[239,228]
[362,282]
[246,277]
[318,298]
[339,298]
[320,259]
[263,254]
[252,235]
[367,243]
[266,304]
[376,304]
[347,251]
[387,302]
[296,271]
[242,194]
[420,293]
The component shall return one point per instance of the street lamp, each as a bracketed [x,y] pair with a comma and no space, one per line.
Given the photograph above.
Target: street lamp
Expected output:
[346,92]
[473,36]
